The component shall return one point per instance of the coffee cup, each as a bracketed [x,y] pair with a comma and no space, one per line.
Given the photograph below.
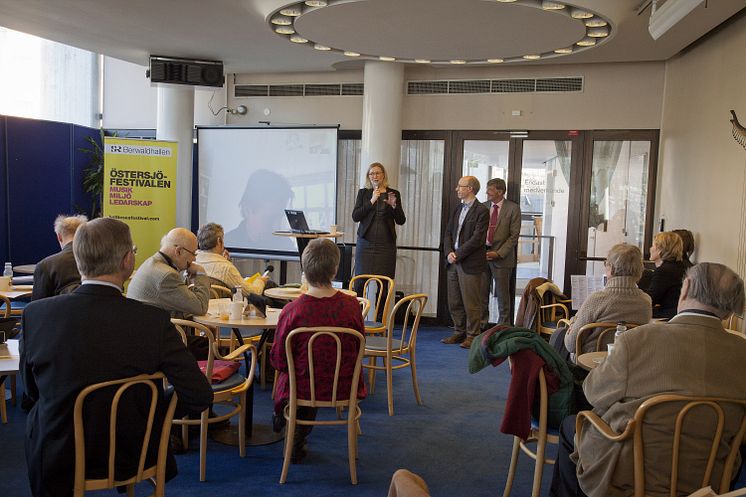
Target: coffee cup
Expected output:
[224,311]
[333,229]
[5,282]
[236,311]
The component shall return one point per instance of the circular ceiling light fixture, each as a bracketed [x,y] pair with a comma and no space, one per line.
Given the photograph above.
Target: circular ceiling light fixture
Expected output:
[595,30]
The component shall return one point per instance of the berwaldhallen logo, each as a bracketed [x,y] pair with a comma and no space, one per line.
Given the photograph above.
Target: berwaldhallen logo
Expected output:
[149,150]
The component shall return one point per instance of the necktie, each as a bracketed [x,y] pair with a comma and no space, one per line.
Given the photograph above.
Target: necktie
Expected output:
[493,223]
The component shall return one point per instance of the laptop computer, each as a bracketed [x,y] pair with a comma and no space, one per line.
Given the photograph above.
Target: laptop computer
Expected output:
[298,223]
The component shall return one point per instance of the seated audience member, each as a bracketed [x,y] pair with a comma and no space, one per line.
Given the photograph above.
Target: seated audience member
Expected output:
[322,305]
[691,355]
[92,335]
[159,280]
[620,300]
[687,240]
[58,273]
[665,281]
[213,256]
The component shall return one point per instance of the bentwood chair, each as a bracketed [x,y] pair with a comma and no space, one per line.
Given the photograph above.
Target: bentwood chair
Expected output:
[600,334]
[383,286]
[364,305]
[155,470]
[224,392]
[665,420]
[396,345]
[552,309]
[541,435]
[320,368]
[219,291]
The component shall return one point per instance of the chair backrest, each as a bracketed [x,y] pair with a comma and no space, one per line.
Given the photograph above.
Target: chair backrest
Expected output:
[6,301]
[734,322]
[667,414]
[603,328]
[415,306]
[382,302]
[153,382]
[364,305]
[220,291]
[322,363]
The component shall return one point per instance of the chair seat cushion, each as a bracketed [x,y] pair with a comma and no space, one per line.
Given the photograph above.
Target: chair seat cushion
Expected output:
[379,343]
[373,324]
[229,384]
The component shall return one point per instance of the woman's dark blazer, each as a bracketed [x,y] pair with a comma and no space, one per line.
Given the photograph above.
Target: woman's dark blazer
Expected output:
[364,212]
[665,287]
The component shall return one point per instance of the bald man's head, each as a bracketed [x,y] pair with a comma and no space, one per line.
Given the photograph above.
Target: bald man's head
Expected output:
[180,245]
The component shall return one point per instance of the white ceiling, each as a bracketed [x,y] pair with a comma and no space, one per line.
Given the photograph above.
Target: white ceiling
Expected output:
[238,33]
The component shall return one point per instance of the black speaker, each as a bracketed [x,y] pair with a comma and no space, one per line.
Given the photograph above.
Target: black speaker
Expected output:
[344,271]
[179,71]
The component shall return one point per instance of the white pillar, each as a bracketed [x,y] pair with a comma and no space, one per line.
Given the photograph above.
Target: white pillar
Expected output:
[175,122]
[382,101]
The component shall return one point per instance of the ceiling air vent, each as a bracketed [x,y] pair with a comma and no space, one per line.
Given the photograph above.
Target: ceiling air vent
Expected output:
[285,90]
[469,86]
[427,87]
[251,90]
[513,85]
[322,90]
[559,84]
[352,88]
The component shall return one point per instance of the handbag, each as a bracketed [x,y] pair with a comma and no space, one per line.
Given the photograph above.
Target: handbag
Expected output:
[221,370]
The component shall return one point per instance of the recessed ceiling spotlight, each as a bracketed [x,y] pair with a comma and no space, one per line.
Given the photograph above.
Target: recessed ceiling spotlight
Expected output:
[552,5]
[298,39]
[506,1]
[284,30]
[563,51]
[457,61]
[316,3]
[532,57]
[598,32]
[291,11]
[422,61]
[282,21]
[323,48]
[495,61]
[595,22]
[352,54]
[586,42]
[386,59]
[580,14]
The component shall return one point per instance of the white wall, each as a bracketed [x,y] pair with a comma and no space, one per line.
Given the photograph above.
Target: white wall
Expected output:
[615,96]
[701,167]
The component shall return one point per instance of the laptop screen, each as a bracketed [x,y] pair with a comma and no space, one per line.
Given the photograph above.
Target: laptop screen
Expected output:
[297,220]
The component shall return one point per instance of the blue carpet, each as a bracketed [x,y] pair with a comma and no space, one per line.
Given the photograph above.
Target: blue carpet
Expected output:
[452,441]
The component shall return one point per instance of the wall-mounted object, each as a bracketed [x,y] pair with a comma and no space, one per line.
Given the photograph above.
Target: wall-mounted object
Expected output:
[179,71]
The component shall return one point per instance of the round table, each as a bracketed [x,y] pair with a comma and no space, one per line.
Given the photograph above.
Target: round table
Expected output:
[258,434]
[291,293]
[18,291]
[590,360]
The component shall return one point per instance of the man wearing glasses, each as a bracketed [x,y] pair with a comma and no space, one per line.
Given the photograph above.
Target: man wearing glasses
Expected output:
[171,280]
[465,256]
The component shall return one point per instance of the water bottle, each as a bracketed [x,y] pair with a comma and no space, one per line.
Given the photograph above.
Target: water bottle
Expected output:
[8,270]
[238,295]
[621,327]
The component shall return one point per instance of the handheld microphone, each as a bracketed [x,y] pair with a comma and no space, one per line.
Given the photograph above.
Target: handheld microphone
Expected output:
[268,270]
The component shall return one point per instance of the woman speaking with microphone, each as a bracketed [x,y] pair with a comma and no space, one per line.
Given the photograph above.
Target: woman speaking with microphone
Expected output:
[377,208]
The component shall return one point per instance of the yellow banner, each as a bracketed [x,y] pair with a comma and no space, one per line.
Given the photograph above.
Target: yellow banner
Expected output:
[140,189]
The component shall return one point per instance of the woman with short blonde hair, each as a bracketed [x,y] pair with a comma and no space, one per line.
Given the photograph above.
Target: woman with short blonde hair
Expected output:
[665,282]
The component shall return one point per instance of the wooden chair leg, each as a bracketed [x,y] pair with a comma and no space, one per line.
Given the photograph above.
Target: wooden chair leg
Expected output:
[203,444]
[262,368]
[131,490]
[390,384]
[352,446]
[513,464]
[413,367]
[372,361]
[541,446]
[3,407]
[242,426]
[185,434]
[274,384]
[289,435]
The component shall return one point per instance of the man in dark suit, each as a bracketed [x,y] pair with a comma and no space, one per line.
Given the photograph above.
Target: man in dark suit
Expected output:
[502,237]
[465,256]
[92,335]
[58,273]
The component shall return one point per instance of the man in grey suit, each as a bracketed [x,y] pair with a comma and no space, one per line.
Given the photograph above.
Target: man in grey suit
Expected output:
[465,254]
[502,237]
[690,355]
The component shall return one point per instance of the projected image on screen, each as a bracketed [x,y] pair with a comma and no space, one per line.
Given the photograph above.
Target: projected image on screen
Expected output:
[249,176]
